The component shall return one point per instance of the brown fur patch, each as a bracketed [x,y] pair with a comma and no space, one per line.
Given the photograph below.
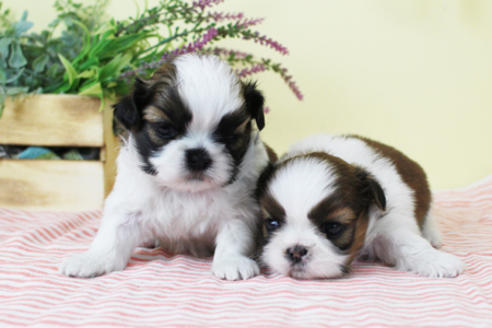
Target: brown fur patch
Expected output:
[272,156]
[343,215]
[412,174]
[153,135]
[270,209]
[270,206]
[359,237]
[333,209]
[154,114]
[345,205]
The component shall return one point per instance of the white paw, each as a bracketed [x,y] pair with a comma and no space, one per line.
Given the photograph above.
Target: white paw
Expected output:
[436,264]
[236,268]
[88,265]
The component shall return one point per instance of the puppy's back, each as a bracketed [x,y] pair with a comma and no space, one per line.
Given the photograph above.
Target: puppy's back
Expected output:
[410,171]
[386,163]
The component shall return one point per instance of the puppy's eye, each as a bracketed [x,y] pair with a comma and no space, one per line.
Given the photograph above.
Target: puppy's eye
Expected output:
[333,229]
[166,131]
[272,224]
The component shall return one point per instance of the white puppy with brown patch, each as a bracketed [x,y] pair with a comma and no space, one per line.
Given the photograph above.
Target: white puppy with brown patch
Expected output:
[331,199]
[186,173]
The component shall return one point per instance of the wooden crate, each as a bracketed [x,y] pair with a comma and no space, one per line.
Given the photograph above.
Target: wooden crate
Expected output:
[57,120]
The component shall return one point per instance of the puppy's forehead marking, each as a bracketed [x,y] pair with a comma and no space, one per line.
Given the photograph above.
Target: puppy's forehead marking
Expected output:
[154,114]
[301,184]
[209,89]
[343,215]
[332,208]
[270,207]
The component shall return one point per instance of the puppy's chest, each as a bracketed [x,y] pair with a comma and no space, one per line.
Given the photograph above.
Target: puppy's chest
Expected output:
[182,216]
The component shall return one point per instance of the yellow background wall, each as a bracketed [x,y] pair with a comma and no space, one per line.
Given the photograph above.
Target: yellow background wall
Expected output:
[416,74]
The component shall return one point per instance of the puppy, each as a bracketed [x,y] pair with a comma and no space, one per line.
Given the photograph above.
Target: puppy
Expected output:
[331,199]
[187,172]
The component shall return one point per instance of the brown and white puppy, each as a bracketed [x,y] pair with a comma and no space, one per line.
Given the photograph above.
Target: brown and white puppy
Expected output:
[187,172]
[331,199]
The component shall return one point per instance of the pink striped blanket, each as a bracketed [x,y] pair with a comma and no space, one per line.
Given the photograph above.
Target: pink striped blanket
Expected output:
[164,290]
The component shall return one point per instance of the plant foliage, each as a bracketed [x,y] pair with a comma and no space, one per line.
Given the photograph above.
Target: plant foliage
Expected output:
[88,53]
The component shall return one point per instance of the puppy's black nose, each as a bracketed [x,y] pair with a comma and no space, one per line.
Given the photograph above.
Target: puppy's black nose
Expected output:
[198,159]
[296,254]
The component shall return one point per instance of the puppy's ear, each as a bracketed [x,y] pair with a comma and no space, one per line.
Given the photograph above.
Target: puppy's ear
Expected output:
[254,103]
[129,109]
[371,190]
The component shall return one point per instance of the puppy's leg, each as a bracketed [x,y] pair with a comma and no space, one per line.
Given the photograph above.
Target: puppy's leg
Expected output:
[110,251]
[431,232]
[234,241]
[404,247]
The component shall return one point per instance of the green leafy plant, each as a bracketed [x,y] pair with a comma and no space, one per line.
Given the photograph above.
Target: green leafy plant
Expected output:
[29,61]
[84,52]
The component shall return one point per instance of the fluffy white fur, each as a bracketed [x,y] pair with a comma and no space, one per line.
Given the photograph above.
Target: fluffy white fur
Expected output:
[393,236]
[201,217]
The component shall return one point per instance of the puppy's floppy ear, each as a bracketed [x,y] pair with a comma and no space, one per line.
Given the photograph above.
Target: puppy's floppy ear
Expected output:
[254,103]
[129,109]
[371,189]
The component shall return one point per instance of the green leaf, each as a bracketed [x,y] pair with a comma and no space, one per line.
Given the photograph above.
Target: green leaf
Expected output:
[17,59]
[100,43]
[114,67]
[70,71]
[4,47]
[13,91]
[94,90]
[40,63]
[86,45]
[121,44]
[16,76]
[87,74]
[23,25]
[2,100]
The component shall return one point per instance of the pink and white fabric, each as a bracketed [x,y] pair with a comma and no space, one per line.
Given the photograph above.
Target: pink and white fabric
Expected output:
[164,290]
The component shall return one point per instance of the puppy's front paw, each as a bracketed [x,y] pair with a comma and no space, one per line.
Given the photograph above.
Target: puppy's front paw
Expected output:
[437,264]
[88,265]
[236,268]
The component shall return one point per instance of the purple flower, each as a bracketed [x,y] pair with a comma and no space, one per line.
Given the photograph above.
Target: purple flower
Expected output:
[220,16]
[263,40]
[190,47]
[229,52]
[295,89]
[202,4]
[251,22]
[251,70]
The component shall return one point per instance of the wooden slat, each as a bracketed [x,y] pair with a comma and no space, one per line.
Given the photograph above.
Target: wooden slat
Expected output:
[52,120]
[51,184]
[110,151]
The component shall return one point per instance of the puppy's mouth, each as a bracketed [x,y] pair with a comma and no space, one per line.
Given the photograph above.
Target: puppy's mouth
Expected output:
[297,271]
[195,182]
[198,177]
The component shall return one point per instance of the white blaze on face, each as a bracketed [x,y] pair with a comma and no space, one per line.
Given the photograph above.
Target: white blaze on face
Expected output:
[298,187]
[208,88]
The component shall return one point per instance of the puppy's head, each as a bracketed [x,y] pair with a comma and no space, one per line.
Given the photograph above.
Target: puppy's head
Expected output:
[315,215]
[191,122]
